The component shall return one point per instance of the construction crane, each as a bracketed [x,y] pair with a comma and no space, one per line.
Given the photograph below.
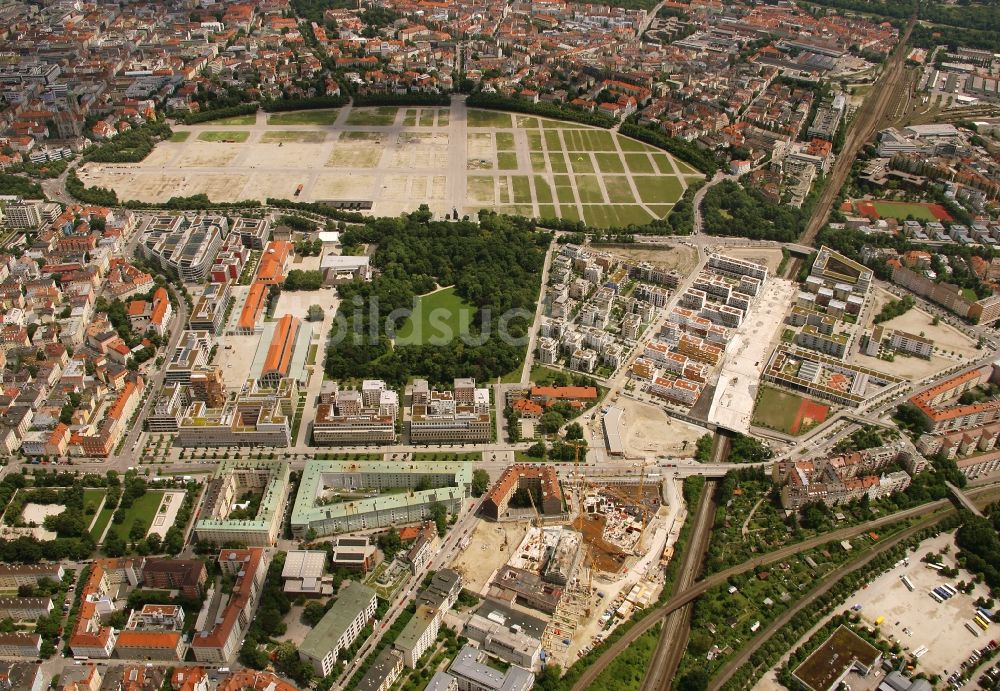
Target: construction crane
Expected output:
[577,445]
[537,520]
[638,503]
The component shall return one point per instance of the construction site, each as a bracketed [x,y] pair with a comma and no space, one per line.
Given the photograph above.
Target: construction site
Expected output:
[584,568]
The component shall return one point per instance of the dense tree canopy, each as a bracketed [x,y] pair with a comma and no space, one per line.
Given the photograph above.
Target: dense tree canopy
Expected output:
[494,265]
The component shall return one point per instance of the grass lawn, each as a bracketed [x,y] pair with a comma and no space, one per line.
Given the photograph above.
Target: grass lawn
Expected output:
[223,136]
[506,160]
[537,159]
[969,294]
[237,120]
[438,318]
[92,497]
[547,211]
[523,457]
[776,409]
[619,191]
[615,215]
[311,356]
[101,523]
[564,193]
[179,136]
[512,377]
[560,124]
[558,162]
[542,190]
[589,189]
[627,144]
[142,511]
[522,189]
[570,213]
[639,164]
[660,210]
[658,189]
[326,116]
[381,116]
[902,210]
[292,136]
[526,122]
[540,374]
[505,141]
[581,163]
[552,141]
[361,136]
[686,168]
[489,118]
[610,163]
[480,188]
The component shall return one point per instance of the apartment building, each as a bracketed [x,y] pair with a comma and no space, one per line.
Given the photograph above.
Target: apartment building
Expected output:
[427,482]
[20,645]
[348,416]
[735,266]
[210,309]
[185,575]
[256,416]
[471,672]
[184,246]
[541,480]
[458,416]
[339,627]
[418,634]
[13,576]
[833,344]
[19,608]
[239,483]
[911,343]
[941,408]
[217,640]
[192,351]
[384,672]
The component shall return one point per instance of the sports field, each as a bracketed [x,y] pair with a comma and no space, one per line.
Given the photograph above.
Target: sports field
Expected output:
[437,318]
[787,412]
[453,159]
[902,210]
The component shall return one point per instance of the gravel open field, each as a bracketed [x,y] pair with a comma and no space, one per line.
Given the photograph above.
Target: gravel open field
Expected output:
[453,159]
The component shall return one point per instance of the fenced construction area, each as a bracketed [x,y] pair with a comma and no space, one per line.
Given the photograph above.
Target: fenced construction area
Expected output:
[452,158]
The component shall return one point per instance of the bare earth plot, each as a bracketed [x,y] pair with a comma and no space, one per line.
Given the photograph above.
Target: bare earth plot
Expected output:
[951,346]
[648,430]
[680,258]
[453,159]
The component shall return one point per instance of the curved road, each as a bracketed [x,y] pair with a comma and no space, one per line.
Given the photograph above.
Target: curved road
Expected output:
[830,580]
[679,600]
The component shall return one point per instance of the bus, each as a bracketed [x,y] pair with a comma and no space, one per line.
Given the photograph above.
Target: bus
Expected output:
[906,581]
[942,593]
[987,615]
[936,596]
[936,567]
[983,624]
[948,587]
[972,629]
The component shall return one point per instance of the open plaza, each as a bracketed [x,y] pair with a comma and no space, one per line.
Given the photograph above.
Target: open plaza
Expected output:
[453,159]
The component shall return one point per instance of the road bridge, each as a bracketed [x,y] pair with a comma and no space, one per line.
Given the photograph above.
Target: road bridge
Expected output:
[962,500]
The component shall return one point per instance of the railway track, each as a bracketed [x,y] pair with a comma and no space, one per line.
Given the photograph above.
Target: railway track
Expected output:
[870,115]
[829,581]
[677,624]
[941,507]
